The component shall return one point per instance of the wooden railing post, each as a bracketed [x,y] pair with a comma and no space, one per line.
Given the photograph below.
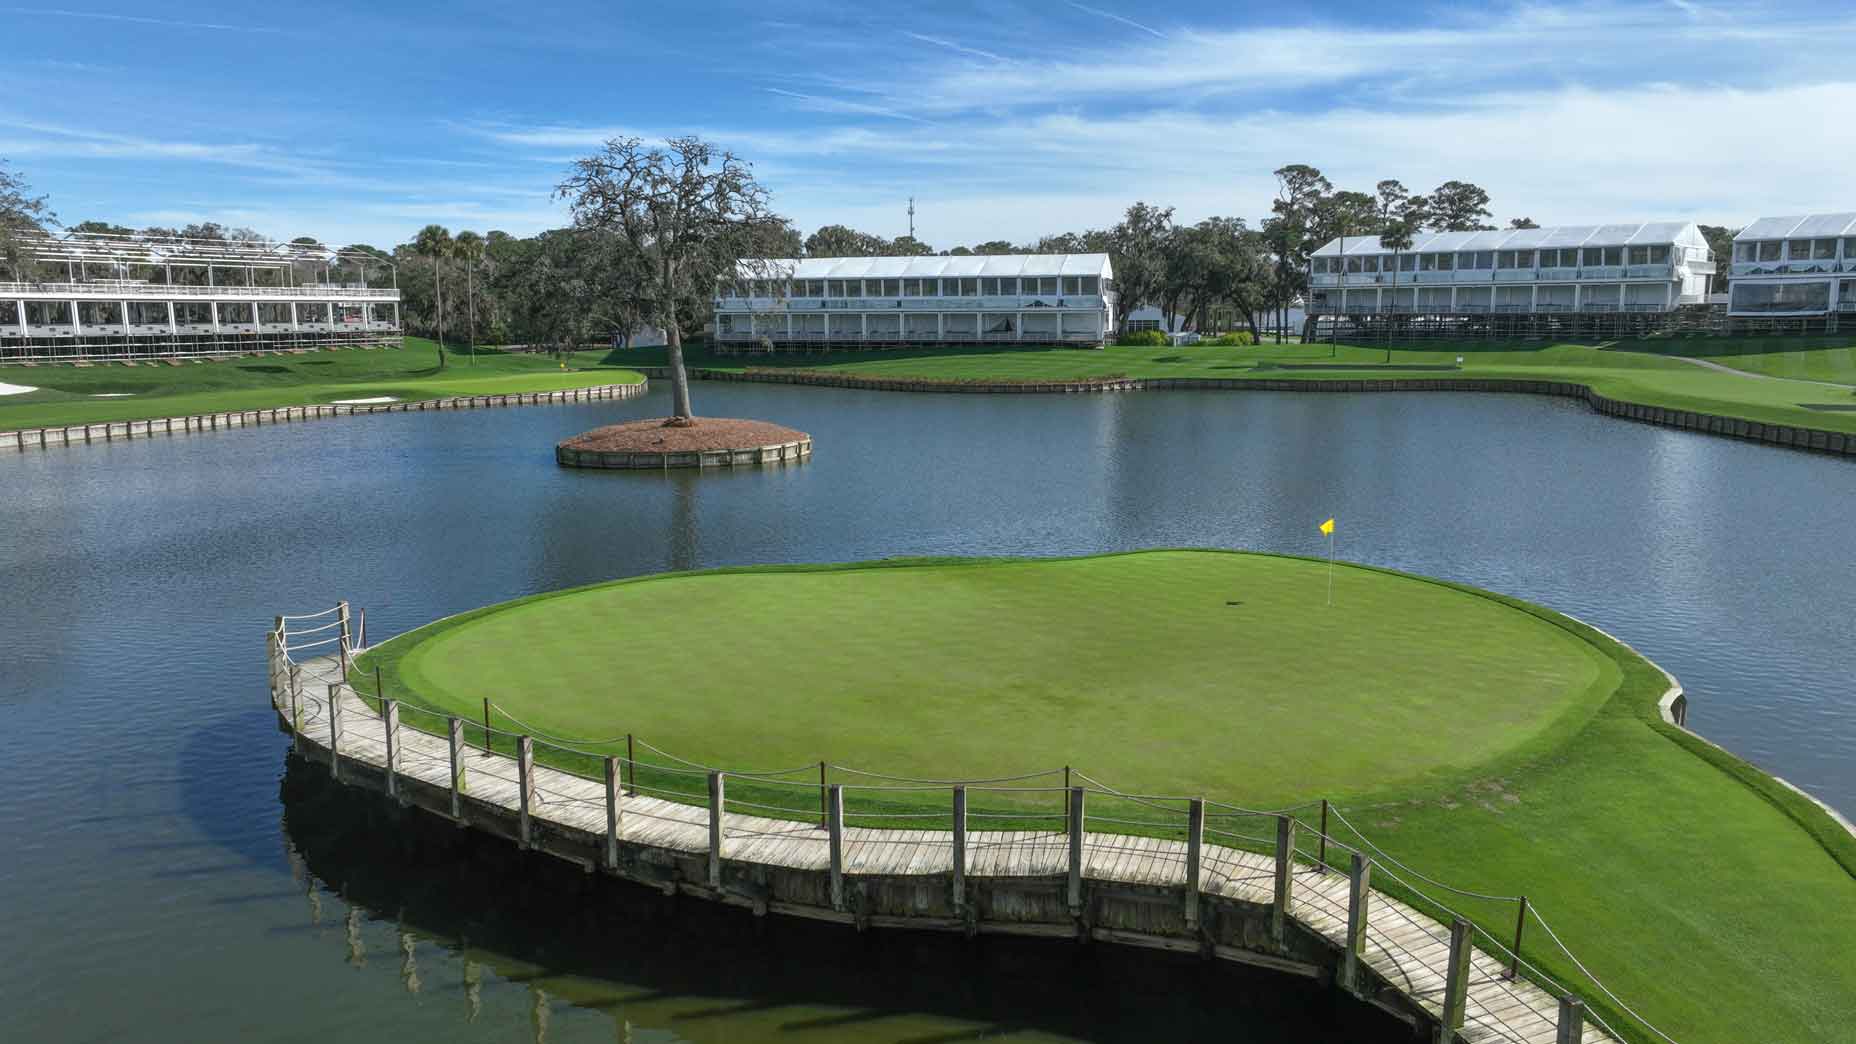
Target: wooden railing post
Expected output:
[295,681]
[525,780]
[456,732]
[960,847]
[1077,819]
[1285,879]
[631,764]
[1456,983]
[613,792]
[1572,1022]
[341,614]
[1321,860]
[335,731]
[1359,897]
[715,829]
[360,641]
[823,797]
[834,826]
[1520,925]
[1195,844]
[390,721]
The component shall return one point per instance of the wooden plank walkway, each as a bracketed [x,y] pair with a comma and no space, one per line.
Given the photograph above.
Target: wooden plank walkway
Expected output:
[1407,948]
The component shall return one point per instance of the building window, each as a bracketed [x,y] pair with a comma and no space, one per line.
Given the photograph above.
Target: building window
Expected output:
[1137,325]
[1408,262]
[1799,250]
[1849,250]
[1515,259]
[1091,285]
[1824,250]
[1769,250]
[1659,255]
[1782,297]
[969,287]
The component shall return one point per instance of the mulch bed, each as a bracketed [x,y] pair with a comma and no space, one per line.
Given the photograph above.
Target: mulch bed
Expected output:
[709,433]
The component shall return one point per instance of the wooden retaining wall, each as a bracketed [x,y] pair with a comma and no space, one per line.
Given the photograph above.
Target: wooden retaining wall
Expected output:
[113,431]
[1815,439]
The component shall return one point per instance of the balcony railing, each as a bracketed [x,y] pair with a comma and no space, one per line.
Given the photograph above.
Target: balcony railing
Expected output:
[1074,302]
[115,289]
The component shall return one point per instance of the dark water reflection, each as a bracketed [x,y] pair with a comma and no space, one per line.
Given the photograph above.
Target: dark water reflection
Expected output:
[148,888]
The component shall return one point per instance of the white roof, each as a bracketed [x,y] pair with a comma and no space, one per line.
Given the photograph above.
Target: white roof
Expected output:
[1801,226]
[928,267]
[1653,233]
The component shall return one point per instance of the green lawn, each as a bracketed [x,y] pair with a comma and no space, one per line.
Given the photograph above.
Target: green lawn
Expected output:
[1496,745]
[66,394]
[1635,371]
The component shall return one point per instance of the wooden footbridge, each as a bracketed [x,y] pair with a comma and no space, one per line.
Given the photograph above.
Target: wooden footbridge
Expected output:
[1260,888]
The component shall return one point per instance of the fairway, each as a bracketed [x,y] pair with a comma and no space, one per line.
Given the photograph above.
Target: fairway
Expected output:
[1163,672]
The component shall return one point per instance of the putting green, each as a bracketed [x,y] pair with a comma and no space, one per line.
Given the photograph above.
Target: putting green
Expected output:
[1168,672]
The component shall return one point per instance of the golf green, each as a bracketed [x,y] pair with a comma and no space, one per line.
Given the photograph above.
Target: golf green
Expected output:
[1164,672]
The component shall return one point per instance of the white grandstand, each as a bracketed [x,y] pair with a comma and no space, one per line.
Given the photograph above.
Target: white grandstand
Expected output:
[854,301]
[83,296]
[1653,267]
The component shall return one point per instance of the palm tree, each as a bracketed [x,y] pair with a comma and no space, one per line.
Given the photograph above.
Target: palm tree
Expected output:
[469,249]
[434,241]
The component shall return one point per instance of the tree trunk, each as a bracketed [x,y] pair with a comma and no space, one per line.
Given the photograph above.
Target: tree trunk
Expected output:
[470,304]
[1256,336]
[438,310]
[680,413]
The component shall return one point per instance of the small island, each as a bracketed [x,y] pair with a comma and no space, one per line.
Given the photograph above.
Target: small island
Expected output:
[661,443]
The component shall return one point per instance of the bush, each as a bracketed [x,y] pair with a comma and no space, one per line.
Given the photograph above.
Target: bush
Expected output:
[1234,339]
[1142,339]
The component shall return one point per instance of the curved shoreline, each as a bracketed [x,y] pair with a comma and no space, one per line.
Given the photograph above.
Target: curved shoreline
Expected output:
[110,431]
[1813,439]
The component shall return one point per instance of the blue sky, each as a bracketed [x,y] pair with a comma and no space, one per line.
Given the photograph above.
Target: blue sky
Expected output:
[362,122]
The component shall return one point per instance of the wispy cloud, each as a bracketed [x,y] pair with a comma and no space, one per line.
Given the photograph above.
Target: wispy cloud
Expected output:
[955,47]
[1113,17]
[59,12]
[819,103]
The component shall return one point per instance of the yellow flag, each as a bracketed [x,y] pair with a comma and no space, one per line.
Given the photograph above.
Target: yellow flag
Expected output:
[1327,528]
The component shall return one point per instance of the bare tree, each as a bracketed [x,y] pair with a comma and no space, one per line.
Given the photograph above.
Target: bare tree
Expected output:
[697,216]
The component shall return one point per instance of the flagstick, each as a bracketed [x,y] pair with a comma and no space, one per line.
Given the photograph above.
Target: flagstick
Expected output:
[1330,569]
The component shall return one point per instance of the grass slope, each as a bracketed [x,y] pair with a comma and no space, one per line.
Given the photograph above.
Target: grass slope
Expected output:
[261,382]
[1713,900]
[1635,371]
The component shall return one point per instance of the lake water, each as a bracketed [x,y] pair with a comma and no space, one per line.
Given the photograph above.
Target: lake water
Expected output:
[169,874]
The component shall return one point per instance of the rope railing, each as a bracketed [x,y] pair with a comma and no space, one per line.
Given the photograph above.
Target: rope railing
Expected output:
[304,698]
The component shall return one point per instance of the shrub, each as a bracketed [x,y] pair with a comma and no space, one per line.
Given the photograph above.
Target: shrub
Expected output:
[1234,339]
[1142,339]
